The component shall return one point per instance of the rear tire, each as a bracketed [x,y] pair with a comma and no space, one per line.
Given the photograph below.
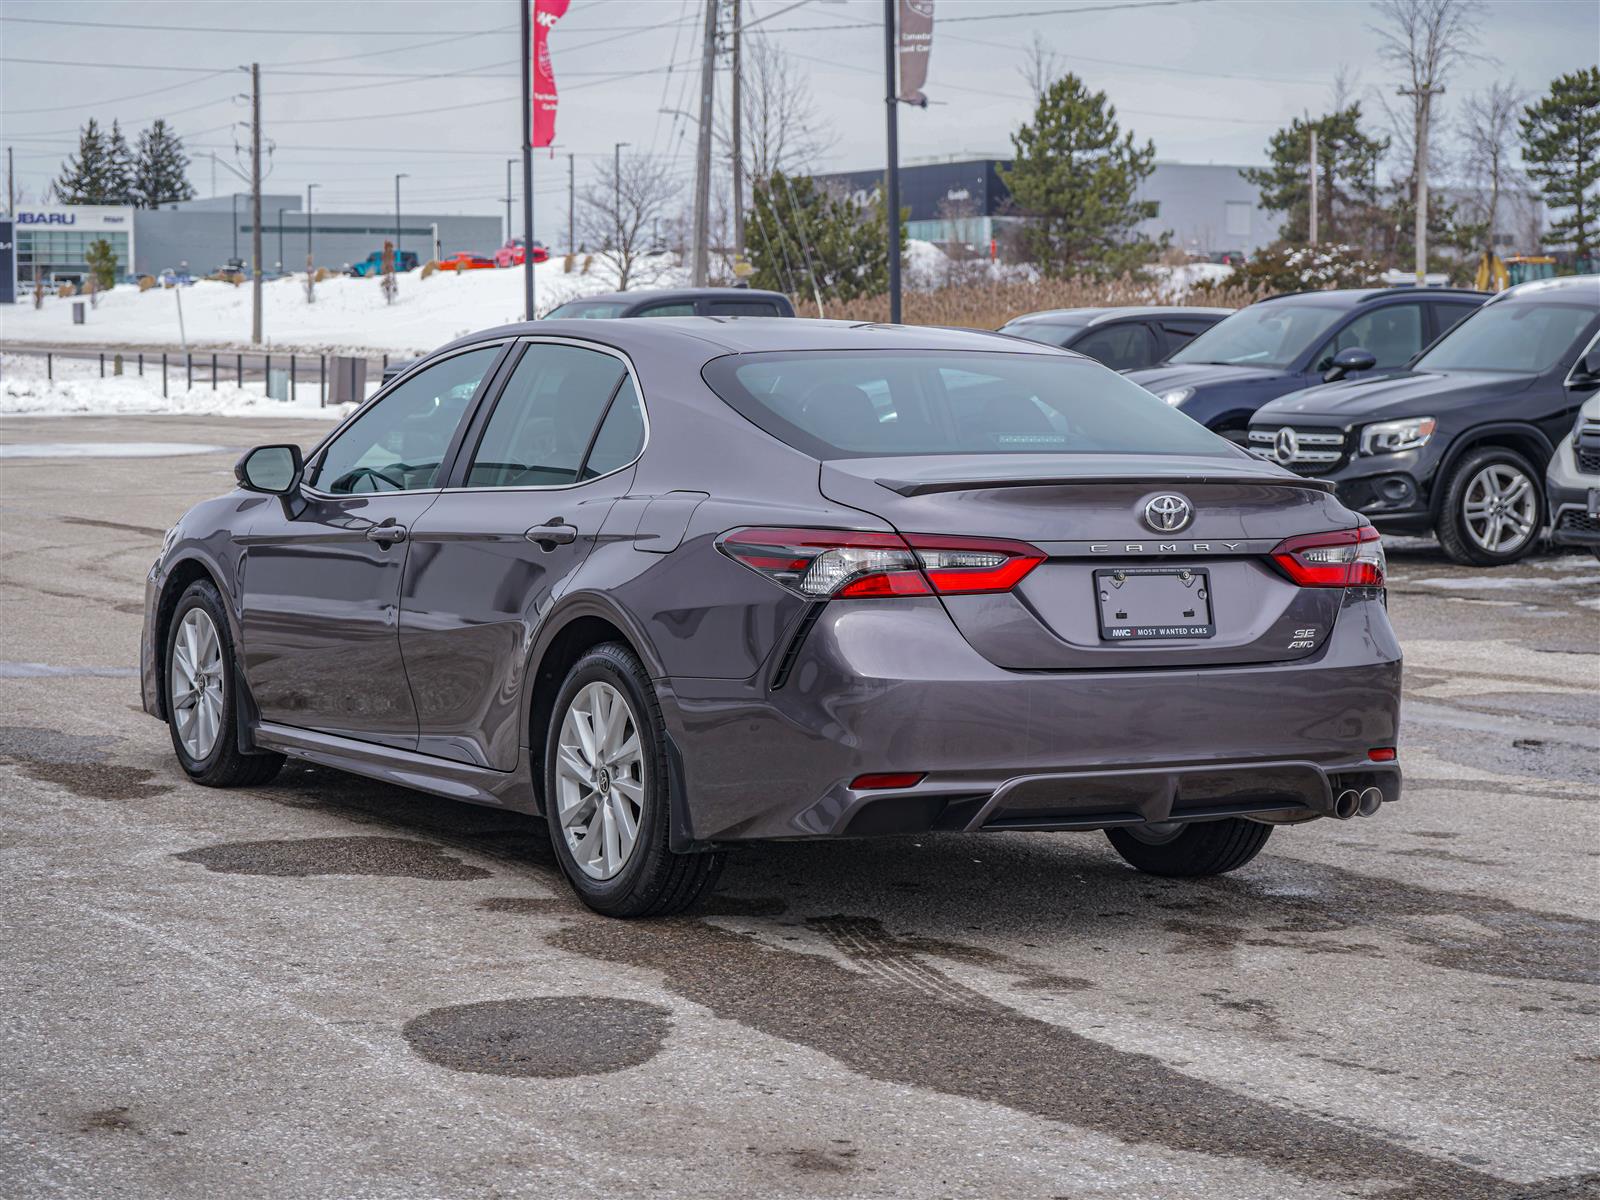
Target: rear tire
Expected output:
[1202,848]
[202,719]
[1478,481]
[613,872]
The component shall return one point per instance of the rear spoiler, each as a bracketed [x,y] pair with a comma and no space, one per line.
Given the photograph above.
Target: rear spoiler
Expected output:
[929,487]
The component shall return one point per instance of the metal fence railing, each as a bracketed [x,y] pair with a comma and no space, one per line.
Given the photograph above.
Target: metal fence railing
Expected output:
[289,377]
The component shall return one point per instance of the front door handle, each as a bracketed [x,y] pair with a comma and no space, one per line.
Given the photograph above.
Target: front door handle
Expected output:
[386,535]
[554,532]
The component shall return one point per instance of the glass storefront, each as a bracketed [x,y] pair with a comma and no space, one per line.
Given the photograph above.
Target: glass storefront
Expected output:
[60,254]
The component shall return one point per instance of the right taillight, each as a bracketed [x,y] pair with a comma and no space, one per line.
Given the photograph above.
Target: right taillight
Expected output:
[1342,558]
[849,564]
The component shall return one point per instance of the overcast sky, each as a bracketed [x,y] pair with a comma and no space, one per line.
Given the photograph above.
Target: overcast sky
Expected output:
[1206,80]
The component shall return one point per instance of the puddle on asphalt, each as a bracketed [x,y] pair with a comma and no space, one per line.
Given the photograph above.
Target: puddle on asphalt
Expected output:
[76,763]
[400,857]
[105,449]
[546,1037]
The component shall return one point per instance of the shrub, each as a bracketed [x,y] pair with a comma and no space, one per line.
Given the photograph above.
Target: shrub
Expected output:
[1282,268]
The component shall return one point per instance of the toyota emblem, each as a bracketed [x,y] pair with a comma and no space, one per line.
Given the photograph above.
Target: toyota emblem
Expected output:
[1285,446]
[1167,513]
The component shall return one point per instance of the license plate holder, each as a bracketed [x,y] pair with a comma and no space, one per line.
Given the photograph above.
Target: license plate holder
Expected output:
[1141,604]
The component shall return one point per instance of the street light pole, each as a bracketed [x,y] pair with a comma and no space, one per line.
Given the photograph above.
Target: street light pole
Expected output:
[309,188]
[280,238]
[526,55]
[616,187]
[892,181]
[397,180]
[235,202]
[701,260]
[510,162]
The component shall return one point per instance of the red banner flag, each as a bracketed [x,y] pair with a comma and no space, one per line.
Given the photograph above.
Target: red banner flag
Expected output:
[545,14]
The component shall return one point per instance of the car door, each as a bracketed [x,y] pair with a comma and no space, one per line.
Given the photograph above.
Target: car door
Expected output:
[1393,333]
[320,580]
[1125,346]
[539,469]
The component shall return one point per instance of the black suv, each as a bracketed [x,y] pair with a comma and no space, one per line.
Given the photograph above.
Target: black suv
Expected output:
[1124,339]
[1459,442]
[1281,345]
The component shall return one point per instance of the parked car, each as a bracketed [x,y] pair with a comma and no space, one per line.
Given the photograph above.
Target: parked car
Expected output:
[396,367]
[467,261]
[1572,484]
[1457,444]
[372,264]
[677,302]
[843,579]
[1124,339]
[1281,345]
[513,255]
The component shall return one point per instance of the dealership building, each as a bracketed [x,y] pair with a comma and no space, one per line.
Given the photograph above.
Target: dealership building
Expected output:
[199,236]
[1207,209]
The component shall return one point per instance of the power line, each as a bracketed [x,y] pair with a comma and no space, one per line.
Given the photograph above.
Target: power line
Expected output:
[24,112]
[369,32]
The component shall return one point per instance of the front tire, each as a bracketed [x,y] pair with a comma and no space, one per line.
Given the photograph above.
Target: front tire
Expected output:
[1201,848]
[1493,508]
[201,697]
[606,794]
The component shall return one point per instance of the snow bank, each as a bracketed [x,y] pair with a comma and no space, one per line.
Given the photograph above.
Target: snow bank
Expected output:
[349,315]
[24,391]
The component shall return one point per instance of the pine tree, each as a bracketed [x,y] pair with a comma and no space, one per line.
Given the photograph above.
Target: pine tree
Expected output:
[804,240]
[90,176]
[1076,178]
[1561,146]
[119,184]
[1347,168]
[102,261]
[160,173]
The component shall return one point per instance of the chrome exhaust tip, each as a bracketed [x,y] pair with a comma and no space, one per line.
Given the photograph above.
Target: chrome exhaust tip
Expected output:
[1347,804]
[1371,800]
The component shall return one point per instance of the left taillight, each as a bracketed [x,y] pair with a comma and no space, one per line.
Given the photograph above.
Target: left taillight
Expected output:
[845,564]
[1342,558]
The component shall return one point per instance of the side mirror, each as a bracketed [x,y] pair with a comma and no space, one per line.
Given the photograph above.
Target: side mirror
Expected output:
[274,470]
[1353,359]
[1587,372]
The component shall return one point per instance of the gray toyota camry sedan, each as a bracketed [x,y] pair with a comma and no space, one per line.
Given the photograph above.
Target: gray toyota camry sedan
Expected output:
[682,583]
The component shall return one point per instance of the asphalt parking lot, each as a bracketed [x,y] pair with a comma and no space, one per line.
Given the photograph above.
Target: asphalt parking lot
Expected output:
[332,988]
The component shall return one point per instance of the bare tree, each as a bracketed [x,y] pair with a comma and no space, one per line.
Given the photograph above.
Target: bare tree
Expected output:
[1490,132]
[622,211]
[1041,66]
[1425,40]
[780,127]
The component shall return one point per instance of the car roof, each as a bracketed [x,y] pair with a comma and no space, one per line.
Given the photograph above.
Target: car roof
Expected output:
[754,335]
[1354,297]
[1096,316]
[707,293]
[1541,289]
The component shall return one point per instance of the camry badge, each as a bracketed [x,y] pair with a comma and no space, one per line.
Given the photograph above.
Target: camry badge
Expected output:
[1285,446]
[1167,513]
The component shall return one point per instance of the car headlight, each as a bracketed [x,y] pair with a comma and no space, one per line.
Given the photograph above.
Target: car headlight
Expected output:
[1176,396]
[1391,437]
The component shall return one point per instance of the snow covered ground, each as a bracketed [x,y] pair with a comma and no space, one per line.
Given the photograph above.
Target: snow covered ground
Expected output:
[78,388]
[349,315]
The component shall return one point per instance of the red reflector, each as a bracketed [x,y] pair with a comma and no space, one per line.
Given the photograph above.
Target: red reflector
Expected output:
[891,779]
[1339,558]
[1382,754]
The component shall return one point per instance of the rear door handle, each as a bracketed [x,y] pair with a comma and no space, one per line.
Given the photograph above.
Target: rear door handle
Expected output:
[553,533]
[386,534]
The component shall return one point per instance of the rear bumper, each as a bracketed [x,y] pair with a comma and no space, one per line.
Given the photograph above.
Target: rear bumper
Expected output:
[893,686]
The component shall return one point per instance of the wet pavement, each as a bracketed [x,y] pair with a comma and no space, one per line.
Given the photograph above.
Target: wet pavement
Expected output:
[326,987]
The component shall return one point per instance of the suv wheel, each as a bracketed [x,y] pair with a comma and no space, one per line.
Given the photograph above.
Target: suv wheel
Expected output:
[1202,848]
[605,793]
[201,698]
[1493,508]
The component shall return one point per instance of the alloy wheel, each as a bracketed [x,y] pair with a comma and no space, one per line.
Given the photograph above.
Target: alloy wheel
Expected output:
[194,682]
[1500,508]
[600,780]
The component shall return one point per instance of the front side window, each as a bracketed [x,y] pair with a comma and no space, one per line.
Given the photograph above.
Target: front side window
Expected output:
[545,416]
[1038,331]
[399,443]
[1392,335]
[1264,335]
[742,308]
[685,309]
[593,310]
[1520,336]
[875,403]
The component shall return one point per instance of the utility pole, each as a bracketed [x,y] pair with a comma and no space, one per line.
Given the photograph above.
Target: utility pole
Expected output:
[510,162]
[1313,225]
[310,187]
[255,203]
[11,185]
[737,117]
[892,173]
[572,241]
[525,7]
[616,187]
[280,238]
[1424,114]
[701,261]
[397,180]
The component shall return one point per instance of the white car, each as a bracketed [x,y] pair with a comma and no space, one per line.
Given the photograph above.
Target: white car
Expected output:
[1573,483]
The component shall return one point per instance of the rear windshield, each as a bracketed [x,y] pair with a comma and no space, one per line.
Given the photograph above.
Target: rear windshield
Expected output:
[588,308]
[876,403]
[1263,335]
[1510,336]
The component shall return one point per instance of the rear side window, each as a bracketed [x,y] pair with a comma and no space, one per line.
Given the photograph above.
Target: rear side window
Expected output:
[587,309]
[1045,335]
[544,417]
[621,435]
[875,403]
[1180,334]
[1393,335]
[1121,347]
[685,309]
[744,308]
